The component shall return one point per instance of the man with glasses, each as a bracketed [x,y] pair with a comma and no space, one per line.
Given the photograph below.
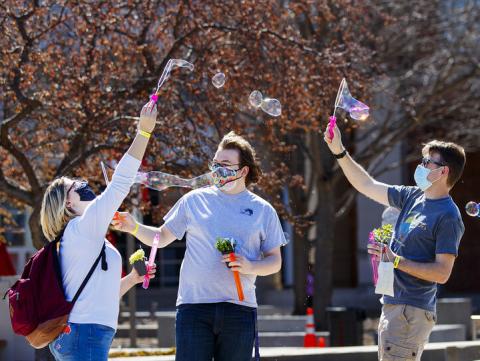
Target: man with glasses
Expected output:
[211,321]
[423,248]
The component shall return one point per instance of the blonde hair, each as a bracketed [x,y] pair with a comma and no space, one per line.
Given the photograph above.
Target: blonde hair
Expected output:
[54,214]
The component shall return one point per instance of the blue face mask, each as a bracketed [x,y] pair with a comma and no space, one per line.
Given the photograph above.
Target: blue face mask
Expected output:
[84,191]
[420,176]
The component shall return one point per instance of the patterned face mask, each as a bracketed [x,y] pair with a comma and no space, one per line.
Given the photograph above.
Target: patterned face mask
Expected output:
[223,175]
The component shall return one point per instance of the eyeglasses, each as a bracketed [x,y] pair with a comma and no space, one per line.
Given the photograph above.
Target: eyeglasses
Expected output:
[77,185]
[215,165]
[427,161]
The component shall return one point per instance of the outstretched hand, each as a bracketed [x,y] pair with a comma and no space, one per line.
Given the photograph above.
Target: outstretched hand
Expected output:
[124,222]
[148,117]
[334,144]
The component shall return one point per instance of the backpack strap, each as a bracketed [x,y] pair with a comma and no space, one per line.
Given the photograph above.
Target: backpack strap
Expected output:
[101,256]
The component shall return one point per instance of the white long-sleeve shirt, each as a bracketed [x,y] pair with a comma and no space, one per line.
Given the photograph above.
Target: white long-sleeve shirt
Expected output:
[81,245]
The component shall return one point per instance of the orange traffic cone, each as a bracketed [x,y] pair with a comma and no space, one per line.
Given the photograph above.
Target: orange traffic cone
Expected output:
[309,338]
[321,341]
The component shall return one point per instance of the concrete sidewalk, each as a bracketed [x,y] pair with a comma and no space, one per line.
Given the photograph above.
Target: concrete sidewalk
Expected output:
[442,351]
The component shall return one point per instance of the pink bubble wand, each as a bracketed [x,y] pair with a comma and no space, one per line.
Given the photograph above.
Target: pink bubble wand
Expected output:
[151,260]
[373,260]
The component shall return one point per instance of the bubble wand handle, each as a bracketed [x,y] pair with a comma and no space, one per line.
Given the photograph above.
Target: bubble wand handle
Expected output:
[331,124]
[373,260]
[236,277]
[151,260]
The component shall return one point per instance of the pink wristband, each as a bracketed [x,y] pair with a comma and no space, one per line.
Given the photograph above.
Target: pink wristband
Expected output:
[154,97]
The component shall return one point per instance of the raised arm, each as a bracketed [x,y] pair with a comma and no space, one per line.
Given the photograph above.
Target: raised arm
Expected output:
[354,172]
[94,221]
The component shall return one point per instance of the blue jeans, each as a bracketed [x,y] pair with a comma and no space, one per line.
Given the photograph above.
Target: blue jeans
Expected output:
[222,331]
[84,342]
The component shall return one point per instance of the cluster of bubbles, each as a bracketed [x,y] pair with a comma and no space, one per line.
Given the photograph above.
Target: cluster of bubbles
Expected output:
[269,105]
[472,209]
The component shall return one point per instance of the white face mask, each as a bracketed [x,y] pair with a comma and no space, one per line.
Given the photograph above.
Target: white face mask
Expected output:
[421,177]
[385,279]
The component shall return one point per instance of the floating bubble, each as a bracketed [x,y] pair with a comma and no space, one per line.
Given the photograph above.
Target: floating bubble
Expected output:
[472,209]
[255,99]
[272,107]
[218,80]
[160,181]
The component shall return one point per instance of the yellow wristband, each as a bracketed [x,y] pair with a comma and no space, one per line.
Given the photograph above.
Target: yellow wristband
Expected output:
[144,133]
[396,262]
[135,230]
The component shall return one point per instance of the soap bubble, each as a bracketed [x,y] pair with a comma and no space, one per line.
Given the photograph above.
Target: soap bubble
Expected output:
[272,107]
[218,80]
[255,99]
[344,100]
[472,209]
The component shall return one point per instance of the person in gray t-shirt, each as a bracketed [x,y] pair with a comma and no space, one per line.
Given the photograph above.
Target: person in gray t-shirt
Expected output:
[211,320]
[423,247]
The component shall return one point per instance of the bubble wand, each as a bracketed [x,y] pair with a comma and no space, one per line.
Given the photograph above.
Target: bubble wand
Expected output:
[344,100]
[373,259]
[227,246]
[151,260]
[171,63]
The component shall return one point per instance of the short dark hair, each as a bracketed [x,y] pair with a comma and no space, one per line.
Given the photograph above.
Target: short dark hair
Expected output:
[453,156]
[247,155]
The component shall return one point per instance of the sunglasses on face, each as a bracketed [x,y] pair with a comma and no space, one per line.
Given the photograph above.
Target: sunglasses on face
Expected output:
[76,185]
[215,165]
[426,161]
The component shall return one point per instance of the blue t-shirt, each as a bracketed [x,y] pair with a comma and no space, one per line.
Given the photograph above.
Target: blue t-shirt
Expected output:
[425,228]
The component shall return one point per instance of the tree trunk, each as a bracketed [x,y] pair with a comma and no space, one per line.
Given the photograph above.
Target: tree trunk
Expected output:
[38,239]
[298,203]
[325,222]
[300,254]
[323,163]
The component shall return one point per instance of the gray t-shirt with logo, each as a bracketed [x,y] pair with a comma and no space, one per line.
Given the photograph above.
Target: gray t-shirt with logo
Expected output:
[425,228]
[207,213]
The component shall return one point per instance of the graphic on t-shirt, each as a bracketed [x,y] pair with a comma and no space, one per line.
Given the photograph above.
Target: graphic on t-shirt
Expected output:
[413,220]
[247,211]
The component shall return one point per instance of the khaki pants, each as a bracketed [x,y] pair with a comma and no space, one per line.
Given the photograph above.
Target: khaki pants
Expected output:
[403,332]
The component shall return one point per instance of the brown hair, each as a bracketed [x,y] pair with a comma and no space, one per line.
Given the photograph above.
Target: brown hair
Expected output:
[247,155]
[452,155]
[54,214]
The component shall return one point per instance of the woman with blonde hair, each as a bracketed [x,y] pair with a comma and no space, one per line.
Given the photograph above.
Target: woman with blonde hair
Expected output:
[73,214]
